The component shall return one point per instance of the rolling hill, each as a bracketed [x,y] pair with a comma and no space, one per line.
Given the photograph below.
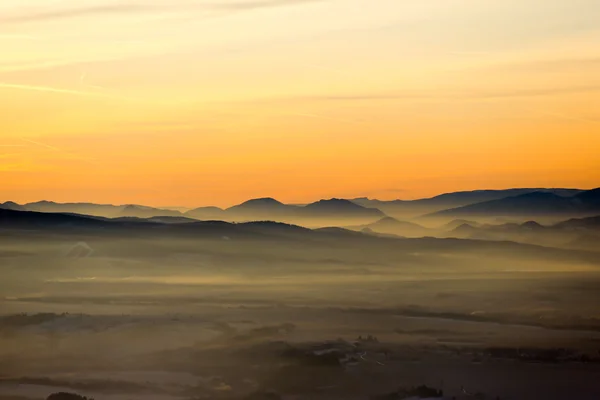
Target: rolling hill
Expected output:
[418,207]
[530,204]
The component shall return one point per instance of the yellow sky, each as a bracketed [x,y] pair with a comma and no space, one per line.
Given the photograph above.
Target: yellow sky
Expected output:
[193,102]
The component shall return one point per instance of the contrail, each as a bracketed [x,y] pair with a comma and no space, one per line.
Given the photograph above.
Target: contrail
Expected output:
[42,144]
[50,90]
[76,156]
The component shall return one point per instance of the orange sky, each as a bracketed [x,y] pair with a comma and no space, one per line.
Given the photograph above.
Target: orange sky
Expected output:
[189,102]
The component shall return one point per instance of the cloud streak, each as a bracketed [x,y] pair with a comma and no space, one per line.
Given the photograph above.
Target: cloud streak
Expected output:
[60,151]
[73,12]
[49,89]
[466,95]
[137,8]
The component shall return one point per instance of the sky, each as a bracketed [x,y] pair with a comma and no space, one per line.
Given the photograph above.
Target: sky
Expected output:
[194,102]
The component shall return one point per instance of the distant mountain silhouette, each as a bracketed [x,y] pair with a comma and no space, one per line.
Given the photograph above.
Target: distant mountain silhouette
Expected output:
[205,213]
[103,210]
[579,223]
[389,225]
[339,208]
[418,207]
[270,209]
[262,206]
[72,226]
[11,205]
[465,230]
[459,204]
[100,210]
[146,212]
[161,220]
[458,222]
[33,219]
[530,204]
[532,226]
[573,233]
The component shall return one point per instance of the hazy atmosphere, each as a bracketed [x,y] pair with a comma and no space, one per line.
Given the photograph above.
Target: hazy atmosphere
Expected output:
[299,200]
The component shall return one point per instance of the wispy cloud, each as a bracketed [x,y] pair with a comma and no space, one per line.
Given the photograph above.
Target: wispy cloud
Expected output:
[535,66]
[136,8]
[252,5]
[325,117]
[49,89]
[564,116]
[60,151]
[535,92]
[73,12]
[437,96]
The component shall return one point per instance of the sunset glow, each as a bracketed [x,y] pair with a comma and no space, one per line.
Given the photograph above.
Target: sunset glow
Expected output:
[192,102]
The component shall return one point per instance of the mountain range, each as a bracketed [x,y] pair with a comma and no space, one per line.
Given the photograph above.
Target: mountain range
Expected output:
[520,203]
[83,227]
[574,233]
[419,207]
[530,204]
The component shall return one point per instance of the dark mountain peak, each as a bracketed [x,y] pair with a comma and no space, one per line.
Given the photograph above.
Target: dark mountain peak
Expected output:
[42,203]
[388,220]
[264,207]
[205,213]
[206,208]
[538,195]
[135,210]
[260,202]
[531,225]
[18,218]
[458,222]
[137,207]
[341,207]
[11,205]
[576,223]
[335,203]
[464,229]
[533,203]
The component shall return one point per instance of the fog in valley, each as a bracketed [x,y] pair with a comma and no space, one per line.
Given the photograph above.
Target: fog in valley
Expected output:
[131,308]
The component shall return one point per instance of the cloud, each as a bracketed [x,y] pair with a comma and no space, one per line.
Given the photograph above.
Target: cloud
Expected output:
[49,89]
[537,66]
[135,8]
[61,152]
[535,92]
[437,96]
[74,12]
[252,5]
